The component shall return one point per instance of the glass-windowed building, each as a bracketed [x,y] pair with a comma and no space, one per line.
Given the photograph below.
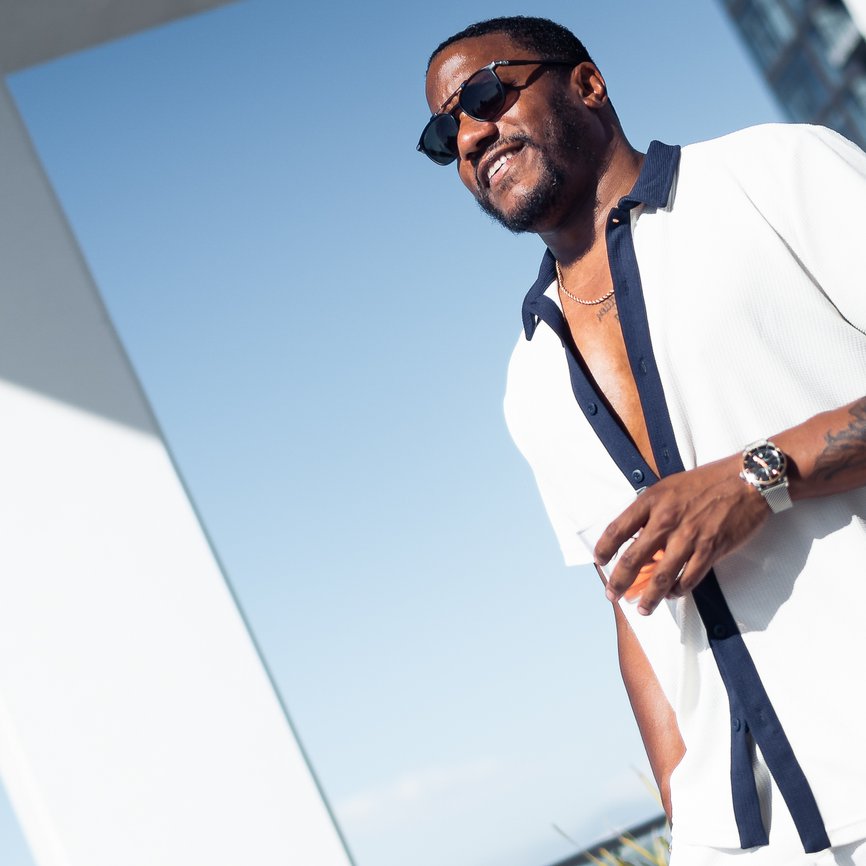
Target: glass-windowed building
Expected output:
[646,844]
[813,55]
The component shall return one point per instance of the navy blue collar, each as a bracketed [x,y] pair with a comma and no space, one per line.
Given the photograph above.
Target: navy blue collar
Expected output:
[656,178]
[652,188]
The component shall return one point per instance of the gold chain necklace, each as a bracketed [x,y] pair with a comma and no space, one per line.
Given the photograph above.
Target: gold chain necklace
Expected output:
[561,283]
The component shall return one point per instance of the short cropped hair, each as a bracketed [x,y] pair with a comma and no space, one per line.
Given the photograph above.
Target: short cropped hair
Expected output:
[543,38]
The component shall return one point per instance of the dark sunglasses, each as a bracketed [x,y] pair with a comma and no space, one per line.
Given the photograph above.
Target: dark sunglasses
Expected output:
[482,97]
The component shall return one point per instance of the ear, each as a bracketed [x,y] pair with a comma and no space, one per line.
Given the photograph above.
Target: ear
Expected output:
[589,85]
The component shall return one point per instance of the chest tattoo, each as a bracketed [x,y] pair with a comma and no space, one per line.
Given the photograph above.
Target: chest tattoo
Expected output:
[605,308]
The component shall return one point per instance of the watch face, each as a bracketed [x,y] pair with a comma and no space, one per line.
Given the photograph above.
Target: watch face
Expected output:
[764,465]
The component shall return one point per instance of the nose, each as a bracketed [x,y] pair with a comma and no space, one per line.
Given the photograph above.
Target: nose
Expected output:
[475,136]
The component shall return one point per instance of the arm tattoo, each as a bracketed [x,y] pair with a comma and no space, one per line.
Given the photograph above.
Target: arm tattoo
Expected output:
[846,450]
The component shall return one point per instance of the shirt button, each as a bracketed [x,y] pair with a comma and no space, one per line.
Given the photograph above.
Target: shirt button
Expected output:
[637,476]
[591,408]
[737,724]
[719,630]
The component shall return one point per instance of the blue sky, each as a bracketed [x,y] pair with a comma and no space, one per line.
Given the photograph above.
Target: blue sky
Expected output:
[321,319]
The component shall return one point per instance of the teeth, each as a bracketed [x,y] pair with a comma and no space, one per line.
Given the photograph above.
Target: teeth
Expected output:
[498,163]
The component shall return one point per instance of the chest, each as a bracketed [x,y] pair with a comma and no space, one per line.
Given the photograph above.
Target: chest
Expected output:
[598,338]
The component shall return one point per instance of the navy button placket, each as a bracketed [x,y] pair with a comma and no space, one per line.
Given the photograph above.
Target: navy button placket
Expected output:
[753,719]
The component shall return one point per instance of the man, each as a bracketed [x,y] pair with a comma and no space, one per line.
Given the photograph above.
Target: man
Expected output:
[690,305]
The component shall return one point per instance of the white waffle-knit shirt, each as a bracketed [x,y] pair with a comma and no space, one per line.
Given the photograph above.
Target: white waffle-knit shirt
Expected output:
[754,279]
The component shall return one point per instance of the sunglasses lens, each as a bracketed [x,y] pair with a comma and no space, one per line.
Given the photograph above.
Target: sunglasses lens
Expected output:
[483,95]
[439,139]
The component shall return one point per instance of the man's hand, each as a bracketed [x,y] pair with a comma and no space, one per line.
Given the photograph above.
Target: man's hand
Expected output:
[697,517]
[694,517]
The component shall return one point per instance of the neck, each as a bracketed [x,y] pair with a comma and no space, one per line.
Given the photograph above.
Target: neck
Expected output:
[583,230]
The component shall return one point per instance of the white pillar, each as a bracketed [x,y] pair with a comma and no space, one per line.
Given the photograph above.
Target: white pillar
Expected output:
[857,8]
[137,723]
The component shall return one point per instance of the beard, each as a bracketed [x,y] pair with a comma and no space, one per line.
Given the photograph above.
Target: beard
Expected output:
[562,149]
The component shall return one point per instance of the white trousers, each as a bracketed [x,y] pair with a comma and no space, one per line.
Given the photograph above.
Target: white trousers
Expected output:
[774,854]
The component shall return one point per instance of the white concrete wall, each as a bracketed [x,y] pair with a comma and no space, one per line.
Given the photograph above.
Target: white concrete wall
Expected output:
[137,724]
[33,31]
[857,8]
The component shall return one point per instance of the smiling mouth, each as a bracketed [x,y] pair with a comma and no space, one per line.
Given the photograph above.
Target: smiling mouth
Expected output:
[498,165]
[496,169]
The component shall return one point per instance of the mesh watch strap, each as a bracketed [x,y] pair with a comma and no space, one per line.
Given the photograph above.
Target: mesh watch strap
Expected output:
[778,497]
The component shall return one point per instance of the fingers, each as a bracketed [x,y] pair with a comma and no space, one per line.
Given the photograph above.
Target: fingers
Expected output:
[647,573]
[674,576]
[666,541]
[637,537]
[625,527]
[665,560]
[668,574]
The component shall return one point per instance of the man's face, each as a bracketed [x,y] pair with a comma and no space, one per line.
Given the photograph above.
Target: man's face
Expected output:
[528,166]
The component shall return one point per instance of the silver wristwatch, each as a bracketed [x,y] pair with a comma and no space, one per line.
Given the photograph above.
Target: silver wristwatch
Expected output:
[765,467]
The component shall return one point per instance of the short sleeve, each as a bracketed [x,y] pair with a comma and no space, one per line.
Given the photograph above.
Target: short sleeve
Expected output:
[810,183]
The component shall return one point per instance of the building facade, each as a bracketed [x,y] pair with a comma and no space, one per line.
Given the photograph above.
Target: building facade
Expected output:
[813,56]
[645,844]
